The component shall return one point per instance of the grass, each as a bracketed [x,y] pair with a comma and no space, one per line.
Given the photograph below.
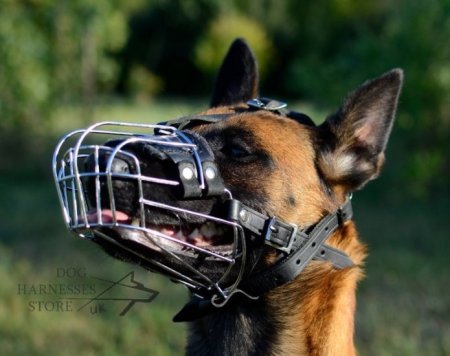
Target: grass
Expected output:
[403,304]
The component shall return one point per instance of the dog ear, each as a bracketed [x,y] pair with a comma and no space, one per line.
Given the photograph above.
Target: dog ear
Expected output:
[237,80]
[353,140]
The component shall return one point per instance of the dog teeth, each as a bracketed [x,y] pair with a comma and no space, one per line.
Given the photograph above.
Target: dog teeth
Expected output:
[202,235]
[194,234]
[208,230]
[179,235]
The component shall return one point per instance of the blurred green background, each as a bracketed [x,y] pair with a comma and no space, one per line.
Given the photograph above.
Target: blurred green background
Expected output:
[64,64]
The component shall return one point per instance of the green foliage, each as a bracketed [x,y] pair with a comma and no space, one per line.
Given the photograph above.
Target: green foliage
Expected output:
[25,89]
[162,37]
[143,84]
[212,47]
[56,51]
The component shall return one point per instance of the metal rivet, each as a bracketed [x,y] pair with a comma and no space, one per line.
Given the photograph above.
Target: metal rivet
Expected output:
[187,173]
[243,215]
[210,173]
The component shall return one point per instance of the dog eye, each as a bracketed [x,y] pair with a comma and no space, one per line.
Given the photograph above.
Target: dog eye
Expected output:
[236,151]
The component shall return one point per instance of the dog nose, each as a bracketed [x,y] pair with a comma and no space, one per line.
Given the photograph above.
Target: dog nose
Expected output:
[119,165]
[123,186]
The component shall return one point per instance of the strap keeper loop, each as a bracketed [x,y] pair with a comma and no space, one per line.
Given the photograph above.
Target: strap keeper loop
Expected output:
[270,228]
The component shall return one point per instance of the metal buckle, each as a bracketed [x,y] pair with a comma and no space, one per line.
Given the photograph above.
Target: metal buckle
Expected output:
[268,233]
[266,104]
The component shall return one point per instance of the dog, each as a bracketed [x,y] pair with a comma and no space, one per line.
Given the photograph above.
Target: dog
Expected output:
[283,268]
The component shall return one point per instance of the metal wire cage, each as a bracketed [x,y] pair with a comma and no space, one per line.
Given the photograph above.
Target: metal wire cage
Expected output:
[85,215]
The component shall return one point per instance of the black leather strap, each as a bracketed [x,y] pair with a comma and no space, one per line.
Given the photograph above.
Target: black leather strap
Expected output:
[195,309]
[280,108]
[306,246]
[285,237]
[187,122]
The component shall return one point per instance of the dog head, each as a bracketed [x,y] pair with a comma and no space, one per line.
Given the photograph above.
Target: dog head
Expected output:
[278,165]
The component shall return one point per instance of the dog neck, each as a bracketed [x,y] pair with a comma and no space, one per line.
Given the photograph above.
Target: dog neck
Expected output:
[238,329]
[312,315]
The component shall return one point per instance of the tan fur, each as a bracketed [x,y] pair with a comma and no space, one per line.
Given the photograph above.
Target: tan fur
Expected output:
[291,149]
[316,309]
[336,164]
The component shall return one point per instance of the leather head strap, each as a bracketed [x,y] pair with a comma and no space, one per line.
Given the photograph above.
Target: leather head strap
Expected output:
[299,248]
[275,106]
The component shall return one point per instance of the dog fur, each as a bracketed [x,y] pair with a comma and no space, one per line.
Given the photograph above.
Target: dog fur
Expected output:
[312,171]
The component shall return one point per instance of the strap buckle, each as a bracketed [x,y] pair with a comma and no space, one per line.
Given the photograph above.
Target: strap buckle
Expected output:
[268,234]
[266,104]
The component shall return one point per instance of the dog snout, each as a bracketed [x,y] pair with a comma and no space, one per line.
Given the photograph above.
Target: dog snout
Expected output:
[120,166]
[133,173]
[111,177]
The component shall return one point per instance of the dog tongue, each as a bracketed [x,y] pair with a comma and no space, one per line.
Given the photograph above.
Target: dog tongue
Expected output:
[107,217]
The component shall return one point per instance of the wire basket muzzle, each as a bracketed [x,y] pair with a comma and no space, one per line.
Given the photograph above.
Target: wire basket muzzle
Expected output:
[115,194]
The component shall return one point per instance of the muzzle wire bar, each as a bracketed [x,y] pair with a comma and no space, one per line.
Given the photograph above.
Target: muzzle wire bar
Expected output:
[85,214]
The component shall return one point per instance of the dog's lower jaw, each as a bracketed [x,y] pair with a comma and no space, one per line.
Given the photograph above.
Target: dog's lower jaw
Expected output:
[312,315]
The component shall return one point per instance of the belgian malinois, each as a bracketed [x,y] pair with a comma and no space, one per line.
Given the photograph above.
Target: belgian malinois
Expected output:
[248,205]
